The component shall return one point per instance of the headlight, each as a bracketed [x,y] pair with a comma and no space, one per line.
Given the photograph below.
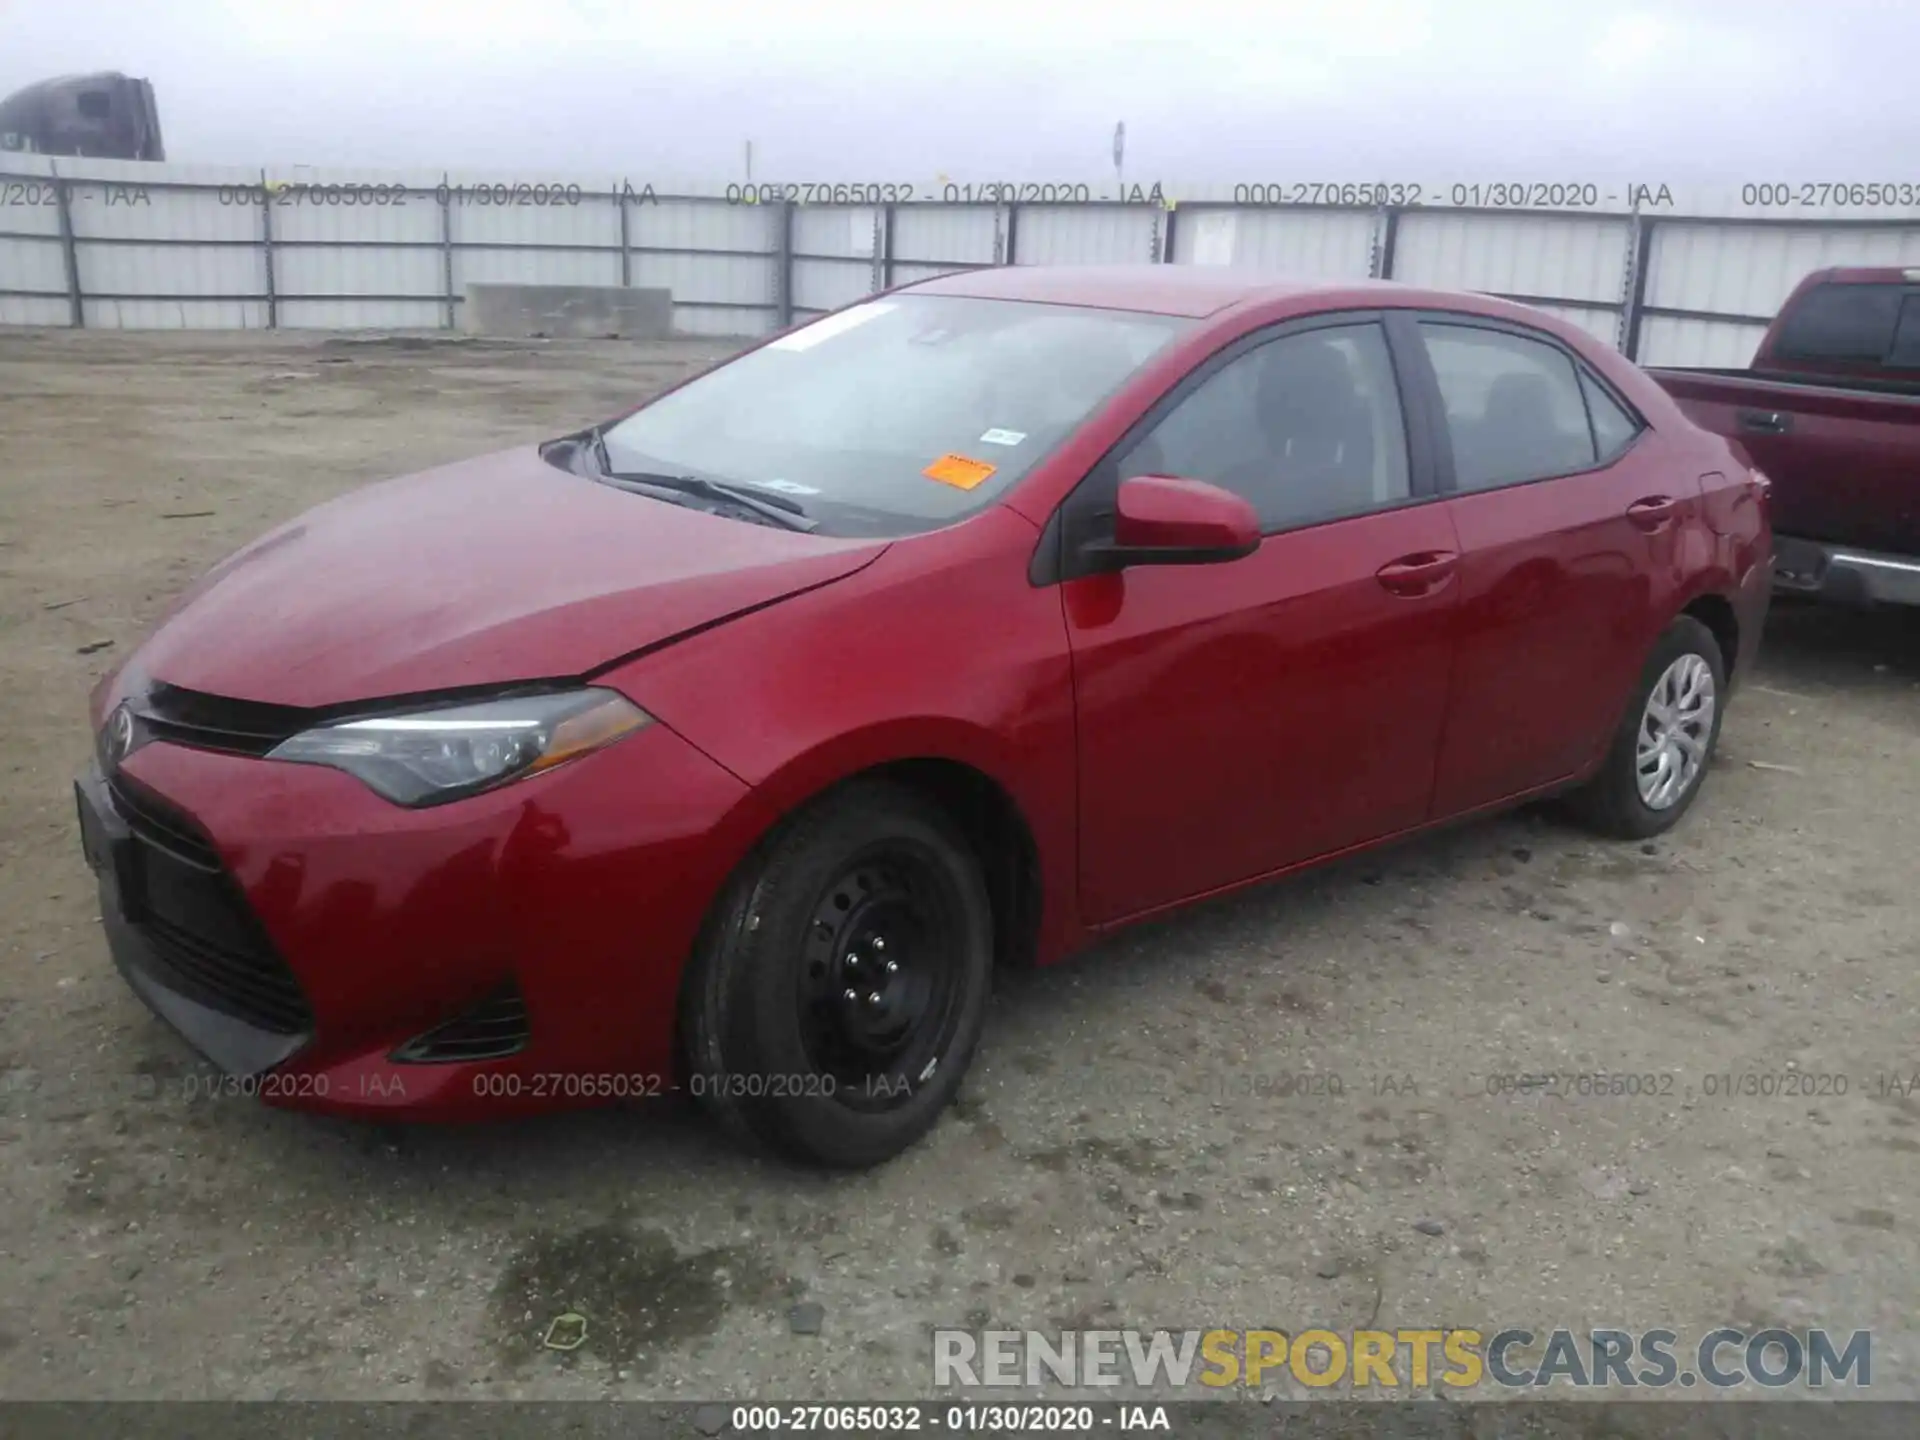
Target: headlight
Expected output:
[428,756]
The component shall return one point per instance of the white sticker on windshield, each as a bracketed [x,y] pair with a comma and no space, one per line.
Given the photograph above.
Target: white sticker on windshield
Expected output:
[808,336]
[788,487]
[1003,437]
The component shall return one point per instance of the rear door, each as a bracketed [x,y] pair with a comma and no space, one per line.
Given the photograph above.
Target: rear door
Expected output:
[1570,526]
[1237,718]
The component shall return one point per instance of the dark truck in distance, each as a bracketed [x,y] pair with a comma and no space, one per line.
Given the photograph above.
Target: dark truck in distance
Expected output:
[1829,411]
[107,116]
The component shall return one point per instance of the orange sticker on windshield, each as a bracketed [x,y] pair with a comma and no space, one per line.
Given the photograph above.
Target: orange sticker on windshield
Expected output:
[959,471]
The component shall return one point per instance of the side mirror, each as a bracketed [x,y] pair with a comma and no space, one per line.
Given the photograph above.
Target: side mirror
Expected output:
[1163,520]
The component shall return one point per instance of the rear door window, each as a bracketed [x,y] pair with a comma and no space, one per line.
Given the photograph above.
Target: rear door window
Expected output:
[1513,406]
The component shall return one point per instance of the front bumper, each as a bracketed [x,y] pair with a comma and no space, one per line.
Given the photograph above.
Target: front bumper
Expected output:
[244,1037]
[1844,574]
[298,930]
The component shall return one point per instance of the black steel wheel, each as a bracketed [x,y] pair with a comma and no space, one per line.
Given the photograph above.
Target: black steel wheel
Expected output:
[881,973]
[839,989]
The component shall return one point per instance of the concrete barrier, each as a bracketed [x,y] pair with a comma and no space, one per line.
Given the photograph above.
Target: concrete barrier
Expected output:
[568,312]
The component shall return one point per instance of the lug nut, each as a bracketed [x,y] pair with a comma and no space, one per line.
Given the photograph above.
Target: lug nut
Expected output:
[879,942]
[874,998]
[852,995]
[893,967]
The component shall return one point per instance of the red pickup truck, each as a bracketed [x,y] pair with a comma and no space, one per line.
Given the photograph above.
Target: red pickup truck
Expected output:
[1829,411]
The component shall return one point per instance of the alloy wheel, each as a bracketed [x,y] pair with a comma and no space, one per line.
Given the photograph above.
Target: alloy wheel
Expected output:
[1675,729]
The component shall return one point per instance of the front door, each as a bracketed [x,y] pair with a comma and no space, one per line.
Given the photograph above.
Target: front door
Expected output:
[1238,718]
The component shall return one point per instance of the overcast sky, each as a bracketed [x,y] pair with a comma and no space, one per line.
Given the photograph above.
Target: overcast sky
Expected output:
[1394,90]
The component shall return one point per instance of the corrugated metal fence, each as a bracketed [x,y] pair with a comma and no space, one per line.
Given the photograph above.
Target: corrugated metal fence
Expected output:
[1670,276]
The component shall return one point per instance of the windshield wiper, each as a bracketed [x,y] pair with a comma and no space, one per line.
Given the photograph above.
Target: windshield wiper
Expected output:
[777,508]
[780,512]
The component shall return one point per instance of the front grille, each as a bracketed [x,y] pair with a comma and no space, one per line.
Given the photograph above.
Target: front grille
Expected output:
[199,927]
[158,824]
[256,988]
[494,1028]
[214,722]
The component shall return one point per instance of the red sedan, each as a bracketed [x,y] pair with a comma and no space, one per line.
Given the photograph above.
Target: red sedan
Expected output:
[728,747]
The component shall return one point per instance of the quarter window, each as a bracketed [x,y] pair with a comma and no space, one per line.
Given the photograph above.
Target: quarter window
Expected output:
[1613,427]
[1514,409]
[1306,427]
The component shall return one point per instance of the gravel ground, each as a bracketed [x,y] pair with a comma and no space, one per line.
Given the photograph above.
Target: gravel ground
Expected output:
[1121,1155]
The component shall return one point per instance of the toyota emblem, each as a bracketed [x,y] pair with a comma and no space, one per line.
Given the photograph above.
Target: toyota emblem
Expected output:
[119,736]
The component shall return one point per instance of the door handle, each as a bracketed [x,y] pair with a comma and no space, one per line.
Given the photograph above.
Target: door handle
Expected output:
[1418,574]
[1764,422]
[1652,513]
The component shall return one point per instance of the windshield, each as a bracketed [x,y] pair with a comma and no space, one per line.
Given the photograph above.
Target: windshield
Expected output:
[898,415]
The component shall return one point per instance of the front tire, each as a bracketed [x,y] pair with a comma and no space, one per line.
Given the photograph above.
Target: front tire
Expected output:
[1659,756]
[838,992]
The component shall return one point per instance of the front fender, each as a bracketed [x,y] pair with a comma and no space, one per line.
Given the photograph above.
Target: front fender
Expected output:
[941,649]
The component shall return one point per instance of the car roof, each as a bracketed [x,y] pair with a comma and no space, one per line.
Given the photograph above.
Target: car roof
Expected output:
[1187,290]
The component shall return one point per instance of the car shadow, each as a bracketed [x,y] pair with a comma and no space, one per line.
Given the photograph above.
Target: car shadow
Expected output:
[668,1143]
[1813,645]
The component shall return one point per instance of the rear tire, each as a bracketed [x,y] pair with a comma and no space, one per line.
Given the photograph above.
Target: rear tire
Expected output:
[838,991]
[1658,760]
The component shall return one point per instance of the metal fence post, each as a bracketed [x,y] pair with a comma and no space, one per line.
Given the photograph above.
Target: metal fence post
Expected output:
[883,249]
[1013,228]
[626,239]
[1638,263]
[1386,242]
[446,246]
[69,252]
[1164,228]
[266,252]
[783,265]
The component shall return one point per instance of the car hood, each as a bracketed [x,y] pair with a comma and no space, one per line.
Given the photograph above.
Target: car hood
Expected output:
[490,571]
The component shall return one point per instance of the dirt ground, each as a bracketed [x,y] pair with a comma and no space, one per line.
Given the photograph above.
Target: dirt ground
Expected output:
[1121,1155]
